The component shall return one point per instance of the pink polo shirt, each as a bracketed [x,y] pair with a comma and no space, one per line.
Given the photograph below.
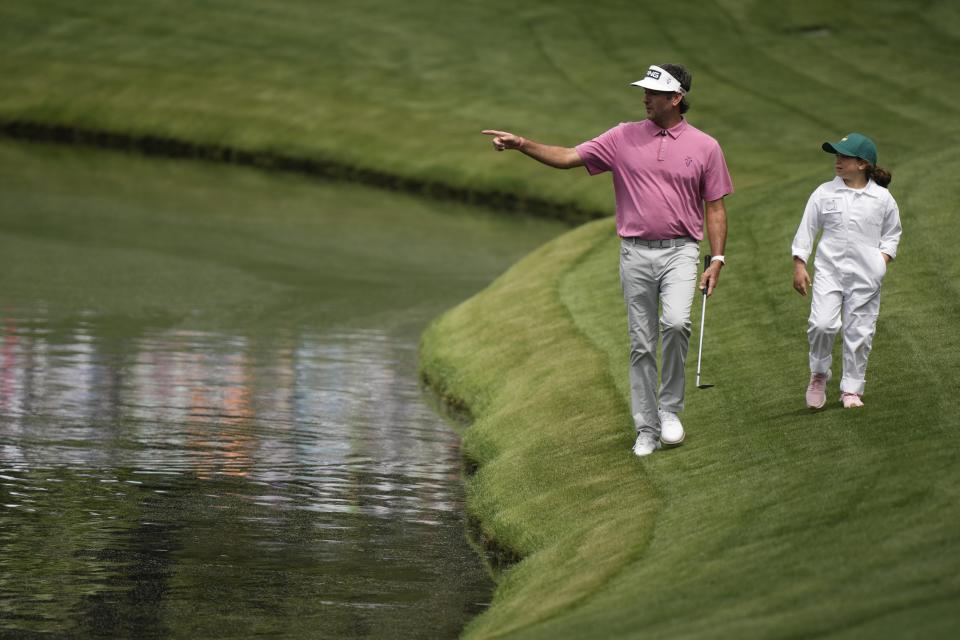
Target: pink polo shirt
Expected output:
[661,180]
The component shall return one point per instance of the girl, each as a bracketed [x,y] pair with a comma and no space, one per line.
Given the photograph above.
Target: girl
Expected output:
[861,230]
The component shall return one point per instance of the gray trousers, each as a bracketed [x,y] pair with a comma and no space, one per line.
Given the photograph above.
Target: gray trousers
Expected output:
[653,278]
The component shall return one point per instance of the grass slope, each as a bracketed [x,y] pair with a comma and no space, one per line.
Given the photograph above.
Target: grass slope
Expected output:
[769,522]
[405,88]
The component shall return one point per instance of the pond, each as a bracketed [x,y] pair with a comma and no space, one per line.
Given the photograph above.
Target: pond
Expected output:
[211,423]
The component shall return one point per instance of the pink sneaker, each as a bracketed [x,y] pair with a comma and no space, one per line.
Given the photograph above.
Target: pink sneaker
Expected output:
[817,390]
[850,400]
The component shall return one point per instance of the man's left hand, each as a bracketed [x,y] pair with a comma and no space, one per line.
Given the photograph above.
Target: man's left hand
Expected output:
[710,277]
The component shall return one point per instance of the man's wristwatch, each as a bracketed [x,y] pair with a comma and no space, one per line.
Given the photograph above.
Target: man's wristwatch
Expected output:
[718,259]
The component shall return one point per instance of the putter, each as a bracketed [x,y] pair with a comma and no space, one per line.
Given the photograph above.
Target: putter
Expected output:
[703,318]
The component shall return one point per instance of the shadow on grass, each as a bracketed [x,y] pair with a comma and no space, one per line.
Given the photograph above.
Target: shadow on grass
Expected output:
[804,411]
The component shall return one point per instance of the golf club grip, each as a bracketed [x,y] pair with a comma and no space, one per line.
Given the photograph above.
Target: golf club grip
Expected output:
[706,265]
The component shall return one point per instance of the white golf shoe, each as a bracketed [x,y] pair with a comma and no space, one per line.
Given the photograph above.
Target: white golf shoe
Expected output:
[671,429]
[646,444]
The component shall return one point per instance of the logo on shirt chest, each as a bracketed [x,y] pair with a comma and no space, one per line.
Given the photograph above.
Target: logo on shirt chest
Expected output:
[688,161]
[831,205]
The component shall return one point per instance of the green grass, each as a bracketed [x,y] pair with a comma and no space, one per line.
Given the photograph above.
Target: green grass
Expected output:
[405,88]
[770,521]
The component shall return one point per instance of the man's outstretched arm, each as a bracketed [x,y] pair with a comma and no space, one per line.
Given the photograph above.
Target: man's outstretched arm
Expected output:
[559,157]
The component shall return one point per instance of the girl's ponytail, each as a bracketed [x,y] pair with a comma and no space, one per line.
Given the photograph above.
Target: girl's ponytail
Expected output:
[879,175]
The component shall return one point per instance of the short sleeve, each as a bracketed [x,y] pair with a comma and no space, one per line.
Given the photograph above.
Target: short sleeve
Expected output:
[716,177]
[598,155]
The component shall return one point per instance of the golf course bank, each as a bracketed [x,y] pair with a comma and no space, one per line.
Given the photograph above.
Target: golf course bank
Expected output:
[769,521]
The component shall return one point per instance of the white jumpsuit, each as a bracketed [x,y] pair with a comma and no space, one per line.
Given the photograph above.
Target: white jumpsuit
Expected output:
[858,225]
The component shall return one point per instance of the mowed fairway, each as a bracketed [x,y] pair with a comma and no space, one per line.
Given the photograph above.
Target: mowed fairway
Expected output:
[770,521]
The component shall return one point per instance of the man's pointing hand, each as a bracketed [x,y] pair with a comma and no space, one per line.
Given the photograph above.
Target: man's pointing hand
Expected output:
[504,139]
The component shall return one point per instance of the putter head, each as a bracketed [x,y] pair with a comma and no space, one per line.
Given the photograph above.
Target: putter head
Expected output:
[704,386]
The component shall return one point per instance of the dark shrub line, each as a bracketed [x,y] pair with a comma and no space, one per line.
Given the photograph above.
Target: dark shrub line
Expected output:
[570,213]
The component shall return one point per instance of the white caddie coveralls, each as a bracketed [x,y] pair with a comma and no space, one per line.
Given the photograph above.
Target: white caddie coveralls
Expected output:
[858,225]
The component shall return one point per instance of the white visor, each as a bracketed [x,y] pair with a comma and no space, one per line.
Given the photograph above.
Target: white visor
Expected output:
[659,80]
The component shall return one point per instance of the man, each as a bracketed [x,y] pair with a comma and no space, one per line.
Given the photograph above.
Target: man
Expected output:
[668,177]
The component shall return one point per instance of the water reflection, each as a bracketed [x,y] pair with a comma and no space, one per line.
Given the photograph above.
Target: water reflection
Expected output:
[191,483]
[210,421]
